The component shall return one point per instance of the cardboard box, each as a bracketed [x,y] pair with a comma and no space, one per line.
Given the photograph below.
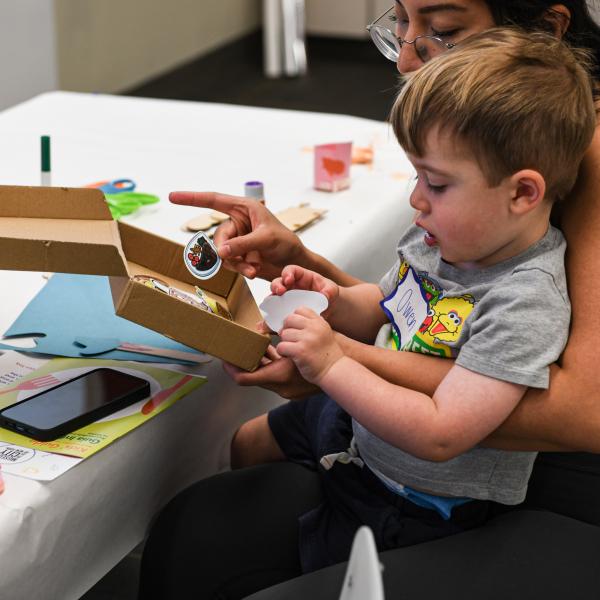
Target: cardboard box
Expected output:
[70,230]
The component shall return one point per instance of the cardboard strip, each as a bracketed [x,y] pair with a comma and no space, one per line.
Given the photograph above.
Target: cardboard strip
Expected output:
[298,217]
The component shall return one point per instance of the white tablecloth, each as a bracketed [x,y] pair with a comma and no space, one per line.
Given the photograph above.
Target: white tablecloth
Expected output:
[58,538]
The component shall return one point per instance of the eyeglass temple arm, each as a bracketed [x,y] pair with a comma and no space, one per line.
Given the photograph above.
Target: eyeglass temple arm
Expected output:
[385,12]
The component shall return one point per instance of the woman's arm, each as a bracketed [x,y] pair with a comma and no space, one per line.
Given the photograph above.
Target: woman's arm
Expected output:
[255,243]
[567,415]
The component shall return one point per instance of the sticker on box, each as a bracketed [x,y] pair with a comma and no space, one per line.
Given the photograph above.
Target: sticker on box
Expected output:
[201,258]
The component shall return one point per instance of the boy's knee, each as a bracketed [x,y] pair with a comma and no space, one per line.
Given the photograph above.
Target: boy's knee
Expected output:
[253,443]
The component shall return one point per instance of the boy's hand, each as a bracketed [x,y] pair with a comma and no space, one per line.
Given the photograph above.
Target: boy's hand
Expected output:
[294,277]
[309,341]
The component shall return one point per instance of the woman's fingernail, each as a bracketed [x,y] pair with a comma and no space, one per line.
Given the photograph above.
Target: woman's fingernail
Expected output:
[225,251]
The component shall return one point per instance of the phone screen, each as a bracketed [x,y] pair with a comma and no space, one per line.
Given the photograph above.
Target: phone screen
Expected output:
[89,393]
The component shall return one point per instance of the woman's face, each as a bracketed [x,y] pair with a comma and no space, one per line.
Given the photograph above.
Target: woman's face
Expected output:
[450,20]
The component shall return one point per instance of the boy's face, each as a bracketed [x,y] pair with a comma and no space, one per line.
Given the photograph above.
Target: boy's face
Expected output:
[470,221]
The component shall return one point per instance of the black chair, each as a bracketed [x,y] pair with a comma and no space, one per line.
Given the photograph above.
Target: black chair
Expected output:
[547,548]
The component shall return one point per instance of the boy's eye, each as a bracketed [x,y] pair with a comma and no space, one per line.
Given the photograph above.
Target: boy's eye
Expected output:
[437,189]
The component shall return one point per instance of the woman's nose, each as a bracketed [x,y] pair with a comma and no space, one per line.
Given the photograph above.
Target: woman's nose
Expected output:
[408,61]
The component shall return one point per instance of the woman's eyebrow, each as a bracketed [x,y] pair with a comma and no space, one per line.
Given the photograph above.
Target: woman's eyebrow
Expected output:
[442,6]
[427,10]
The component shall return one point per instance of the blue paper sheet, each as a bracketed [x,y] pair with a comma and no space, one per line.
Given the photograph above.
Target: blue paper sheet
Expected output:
[72,307]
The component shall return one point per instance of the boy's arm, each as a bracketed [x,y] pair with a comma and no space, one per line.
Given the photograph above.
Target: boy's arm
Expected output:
[362,299]
[462,411]
[416,371]
[465,407]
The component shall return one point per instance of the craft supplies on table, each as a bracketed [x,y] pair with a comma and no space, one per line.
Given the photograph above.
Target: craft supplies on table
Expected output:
[70,230]
[46,177]
[332,166]
[121,197]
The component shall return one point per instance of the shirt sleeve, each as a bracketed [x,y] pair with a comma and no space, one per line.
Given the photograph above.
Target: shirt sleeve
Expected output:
[389,281]
[518,329]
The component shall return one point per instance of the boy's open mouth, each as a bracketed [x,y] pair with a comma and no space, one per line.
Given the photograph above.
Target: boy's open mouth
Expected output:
[430,239]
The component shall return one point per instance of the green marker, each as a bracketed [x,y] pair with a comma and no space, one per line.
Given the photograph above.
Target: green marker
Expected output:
[46,179]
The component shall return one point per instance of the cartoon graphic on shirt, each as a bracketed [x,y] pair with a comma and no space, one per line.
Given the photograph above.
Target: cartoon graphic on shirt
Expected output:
[443,324]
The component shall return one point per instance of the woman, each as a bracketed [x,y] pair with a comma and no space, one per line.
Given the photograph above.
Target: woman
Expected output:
[261,505]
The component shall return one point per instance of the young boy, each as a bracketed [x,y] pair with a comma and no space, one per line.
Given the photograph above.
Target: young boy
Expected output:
[480,278]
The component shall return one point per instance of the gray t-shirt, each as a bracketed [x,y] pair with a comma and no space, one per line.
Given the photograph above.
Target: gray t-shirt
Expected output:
[509,321]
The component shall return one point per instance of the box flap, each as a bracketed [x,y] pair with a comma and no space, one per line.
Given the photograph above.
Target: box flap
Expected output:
[63,230]
[53,203]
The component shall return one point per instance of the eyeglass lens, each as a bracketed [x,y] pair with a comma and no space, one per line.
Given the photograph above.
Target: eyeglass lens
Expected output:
[385,33]
[388,44]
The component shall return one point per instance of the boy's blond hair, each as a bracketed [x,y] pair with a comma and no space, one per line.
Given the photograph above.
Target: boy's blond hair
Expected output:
[515,100]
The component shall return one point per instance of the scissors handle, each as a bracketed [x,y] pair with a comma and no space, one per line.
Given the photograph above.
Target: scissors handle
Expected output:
[117,186]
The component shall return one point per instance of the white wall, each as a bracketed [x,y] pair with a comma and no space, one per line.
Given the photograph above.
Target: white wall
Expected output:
[113,45]
[27,50]
[109,45]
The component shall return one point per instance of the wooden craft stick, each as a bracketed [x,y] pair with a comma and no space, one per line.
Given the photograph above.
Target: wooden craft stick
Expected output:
[297,217]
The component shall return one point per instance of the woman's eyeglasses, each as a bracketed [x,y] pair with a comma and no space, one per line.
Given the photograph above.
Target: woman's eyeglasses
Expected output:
[390,45]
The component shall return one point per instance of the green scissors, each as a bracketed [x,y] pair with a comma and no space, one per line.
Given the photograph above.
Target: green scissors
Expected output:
[121,198]
[124,203]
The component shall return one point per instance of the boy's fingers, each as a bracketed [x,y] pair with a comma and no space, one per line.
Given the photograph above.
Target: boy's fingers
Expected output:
[277,287]
[290,335]
[294,321]
[285,349]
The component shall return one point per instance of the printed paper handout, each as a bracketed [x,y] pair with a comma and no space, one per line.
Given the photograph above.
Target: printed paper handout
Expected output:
[21,455]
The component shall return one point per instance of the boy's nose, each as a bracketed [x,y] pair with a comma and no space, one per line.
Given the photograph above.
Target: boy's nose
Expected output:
[418,202]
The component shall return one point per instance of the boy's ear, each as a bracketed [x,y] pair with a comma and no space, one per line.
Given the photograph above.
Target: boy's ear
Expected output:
[529,189]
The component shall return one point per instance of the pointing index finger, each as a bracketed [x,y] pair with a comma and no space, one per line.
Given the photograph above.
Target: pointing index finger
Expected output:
[221,202]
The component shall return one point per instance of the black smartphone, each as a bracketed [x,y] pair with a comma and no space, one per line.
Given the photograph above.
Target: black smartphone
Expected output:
[70,405]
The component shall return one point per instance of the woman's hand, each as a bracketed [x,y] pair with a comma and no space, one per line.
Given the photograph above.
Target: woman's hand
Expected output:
[309,341]
[276,374]
[253,242]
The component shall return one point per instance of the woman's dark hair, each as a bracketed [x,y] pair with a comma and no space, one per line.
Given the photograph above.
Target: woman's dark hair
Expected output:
[582,31]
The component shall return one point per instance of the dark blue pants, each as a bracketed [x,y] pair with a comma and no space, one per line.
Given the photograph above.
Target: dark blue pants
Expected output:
[353,496]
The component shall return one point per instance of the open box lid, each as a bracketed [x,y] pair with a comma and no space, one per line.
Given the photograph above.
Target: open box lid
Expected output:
[61,230]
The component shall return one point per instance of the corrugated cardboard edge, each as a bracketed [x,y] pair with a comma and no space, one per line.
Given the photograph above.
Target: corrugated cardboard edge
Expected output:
[53,203]
[228,340]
